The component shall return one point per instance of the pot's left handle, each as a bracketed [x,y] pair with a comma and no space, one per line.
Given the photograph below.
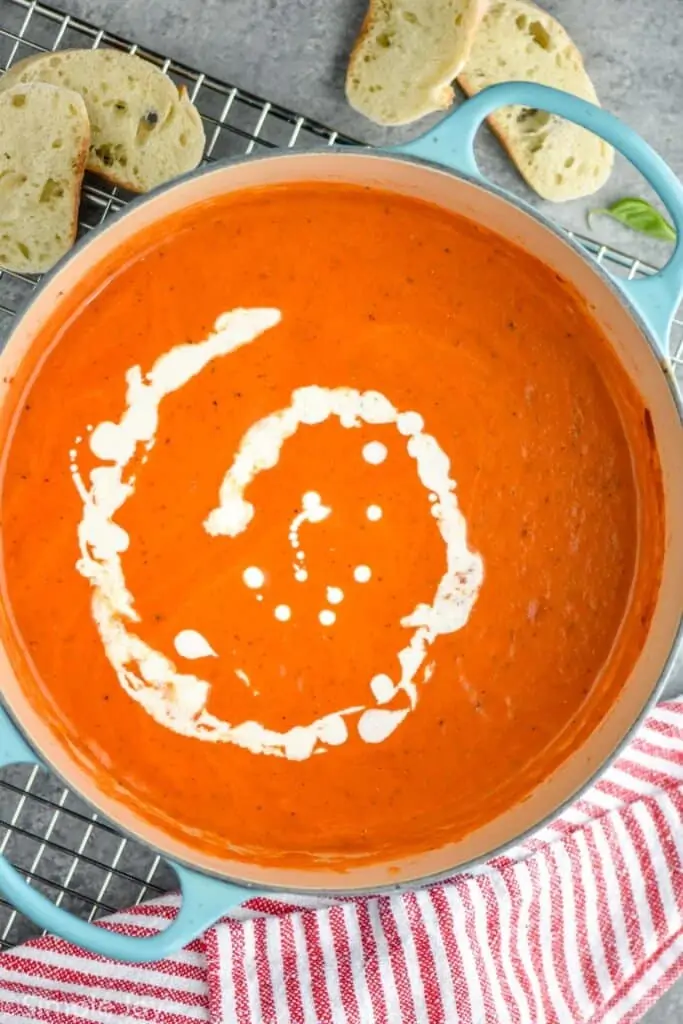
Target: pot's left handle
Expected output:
[205,899]
[451,144]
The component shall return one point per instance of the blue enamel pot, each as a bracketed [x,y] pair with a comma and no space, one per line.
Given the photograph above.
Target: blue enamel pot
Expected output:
[635,315]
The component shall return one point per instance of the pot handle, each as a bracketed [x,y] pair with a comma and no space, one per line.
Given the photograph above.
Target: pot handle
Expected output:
[451,144]
[205,899]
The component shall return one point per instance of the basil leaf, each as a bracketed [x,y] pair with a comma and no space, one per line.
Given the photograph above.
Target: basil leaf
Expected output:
[638,215]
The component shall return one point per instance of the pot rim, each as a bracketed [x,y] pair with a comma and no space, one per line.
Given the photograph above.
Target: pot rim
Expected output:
[645,332]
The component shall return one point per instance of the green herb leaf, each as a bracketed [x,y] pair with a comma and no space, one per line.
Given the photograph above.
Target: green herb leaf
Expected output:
[638,215]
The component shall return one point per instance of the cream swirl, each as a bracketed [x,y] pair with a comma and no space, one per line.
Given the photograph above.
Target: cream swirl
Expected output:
[178,700]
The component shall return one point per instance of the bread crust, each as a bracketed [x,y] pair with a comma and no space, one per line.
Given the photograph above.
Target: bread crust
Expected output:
[160,156]
[441,94]
[570,184]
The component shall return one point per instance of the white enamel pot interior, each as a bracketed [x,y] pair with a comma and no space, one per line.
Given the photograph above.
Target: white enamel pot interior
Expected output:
[633,348]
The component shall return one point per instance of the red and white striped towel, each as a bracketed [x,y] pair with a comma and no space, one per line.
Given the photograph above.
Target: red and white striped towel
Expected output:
[582,923]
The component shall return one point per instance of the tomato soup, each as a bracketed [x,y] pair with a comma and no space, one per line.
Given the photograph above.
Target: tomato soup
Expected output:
[331,525]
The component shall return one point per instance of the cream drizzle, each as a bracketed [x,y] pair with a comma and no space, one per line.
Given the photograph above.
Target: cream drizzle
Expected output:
[178,700]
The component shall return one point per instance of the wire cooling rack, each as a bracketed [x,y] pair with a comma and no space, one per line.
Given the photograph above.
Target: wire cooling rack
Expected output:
[52,836]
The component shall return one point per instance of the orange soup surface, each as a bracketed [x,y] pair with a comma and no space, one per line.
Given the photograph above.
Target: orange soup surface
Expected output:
[322,525]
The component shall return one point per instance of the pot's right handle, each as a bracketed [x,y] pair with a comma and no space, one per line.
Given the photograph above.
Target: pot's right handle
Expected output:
[451,143]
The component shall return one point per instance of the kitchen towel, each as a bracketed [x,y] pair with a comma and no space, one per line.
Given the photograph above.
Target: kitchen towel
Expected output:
[582,923]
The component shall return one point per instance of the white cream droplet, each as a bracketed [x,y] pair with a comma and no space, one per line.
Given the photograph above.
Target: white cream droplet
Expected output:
[300,575]
[299,743]
[383,688]
[333,730]
[362,573]
[335,595]
[376,724]
[409,423]
[375,452]
[327,617]
[254,577]
[313,512]
[283,613]
[374,513]
[191,644]
[107,441]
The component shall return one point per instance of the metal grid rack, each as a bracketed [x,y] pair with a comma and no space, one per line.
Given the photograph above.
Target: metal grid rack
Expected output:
[52,836]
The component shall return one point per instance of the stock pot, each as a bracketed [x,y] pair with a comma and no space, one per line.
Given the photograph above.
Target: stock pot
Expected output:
[635,315]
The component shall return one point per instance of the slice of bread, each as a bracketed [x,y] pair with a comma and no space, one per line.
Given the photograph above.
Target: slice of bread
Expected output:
[518,41]
[44,139]
[407,54]
[144,129]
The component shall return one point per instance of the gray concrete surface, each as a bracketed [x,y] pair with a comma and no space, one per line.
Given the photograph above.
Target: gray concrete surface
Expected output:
[294,52]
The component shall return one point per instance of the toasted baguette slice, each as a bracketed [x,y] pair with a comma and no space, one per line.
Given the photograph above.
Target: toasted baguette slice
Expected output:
[44,139]
[407,54]
[518,41]
[144,130]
